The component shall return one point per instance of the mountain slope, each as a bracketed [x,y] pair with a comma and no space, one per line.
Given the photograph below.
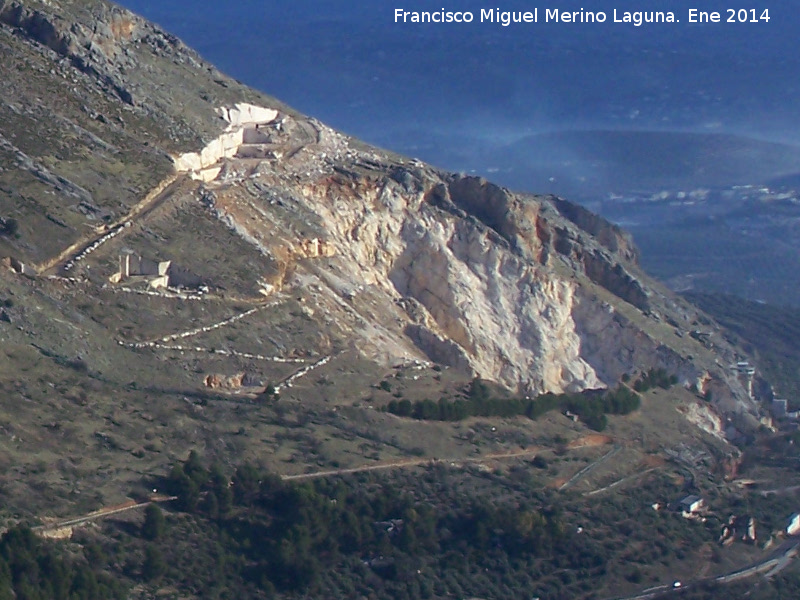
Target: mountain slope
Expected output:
[187,241]
[502,284]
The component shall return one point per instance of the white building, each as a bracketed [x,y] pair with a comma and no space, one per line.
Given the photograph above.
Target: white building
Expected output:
[745,372]
[793,526]
[691,504]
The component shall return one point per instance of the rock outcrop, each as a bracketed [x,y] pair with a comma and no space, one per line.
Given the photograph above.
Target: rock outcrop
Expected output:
[241,118]
[504,285]
[406,261]
[91,51]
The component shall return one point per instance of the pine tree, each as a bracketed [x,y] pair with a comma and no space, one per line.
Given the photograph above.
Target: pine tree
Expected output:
[154,523]
[154,566]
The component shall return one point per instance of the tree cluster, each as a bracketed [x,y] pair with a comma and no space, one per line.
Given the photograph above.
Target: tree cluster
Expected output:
[285,535]
[655,378]
[31,569]
[590,406]
[201,488]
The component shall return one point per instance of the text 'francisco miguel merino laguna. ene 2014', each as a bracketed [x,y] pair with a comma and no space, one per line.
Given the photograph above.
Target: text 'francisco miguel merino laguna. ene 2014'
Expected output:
[545,15]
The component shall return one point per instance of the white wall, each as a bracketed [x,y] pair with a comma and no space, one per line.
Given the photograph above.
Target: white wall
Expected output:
[227,144]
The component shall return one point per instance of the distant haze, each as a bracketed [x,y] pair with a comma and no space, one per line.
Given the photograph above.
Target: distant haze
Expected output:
[349,64]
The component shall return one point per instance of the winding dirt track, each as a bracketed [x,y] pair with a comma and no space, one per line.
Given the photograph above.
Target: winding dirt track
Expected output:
[132,505]
[398,464]
[404,464]
[101,514]
[151,201]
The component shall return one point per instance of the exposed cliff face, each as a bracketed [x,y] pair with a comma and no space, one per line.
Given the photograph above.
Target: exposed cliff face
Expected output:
[529,231]
[533,292]
[498,283]
[607,234]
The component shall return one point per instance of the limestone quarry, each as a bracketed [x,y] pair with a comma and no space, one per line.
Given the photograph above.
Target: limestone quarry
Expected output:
[198,282]
[182,238]
[521,290]
[532,292]
[244,122]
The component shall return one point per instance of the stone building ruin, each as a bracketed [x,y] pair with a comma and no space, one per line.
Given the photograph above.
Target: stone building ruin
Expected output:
[158,274]
[18,266]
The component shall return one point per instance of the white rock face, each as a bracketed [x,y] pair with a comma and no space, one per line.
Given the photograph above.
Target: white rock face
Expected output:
[514,324]
[247,114]
[528,292]
[705,418]
[226,145]
[206,175]
[478,304]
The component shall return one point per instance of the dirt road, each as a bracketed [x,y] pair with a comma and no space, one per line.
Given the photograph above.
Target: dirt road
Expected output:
[101,514]
[92,241]
[404,464]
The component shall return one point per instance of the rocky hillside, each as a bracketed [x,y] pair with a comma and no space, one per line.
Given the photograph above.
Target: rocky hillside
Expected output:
[171,233]
[535,293]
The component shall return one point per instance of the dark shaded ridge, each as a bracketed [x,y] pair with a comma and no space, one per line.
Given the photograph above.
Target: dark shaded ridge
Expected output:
[486,201]
[51,32]
[616,279]
[605,232]
[522,225]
